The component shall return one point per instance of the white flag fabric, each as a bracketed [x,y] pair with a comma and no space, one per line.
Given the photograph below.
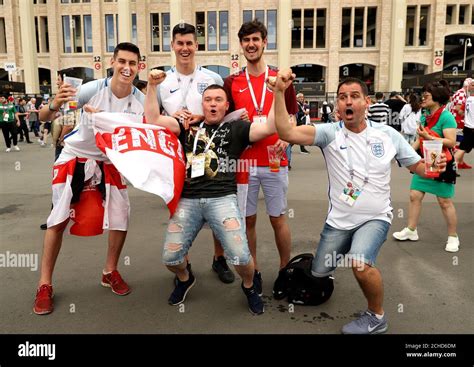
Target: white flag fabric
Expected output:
[150,157]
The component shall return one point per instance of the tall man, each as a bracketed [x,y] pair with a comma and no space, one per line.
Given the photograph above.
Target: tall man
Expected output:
[247,90]
[358,156]
[91,171]
[180,96]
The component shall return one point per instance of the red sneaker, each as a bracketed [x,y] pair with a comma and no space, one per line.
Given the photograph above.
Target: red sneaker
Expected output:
[464,165]
[44,300]
[114,280]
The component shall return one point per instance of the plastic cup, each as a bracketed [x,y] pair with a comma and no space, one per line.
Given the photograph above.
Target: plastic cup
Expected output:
[432,151]
[274,158]
[75,83]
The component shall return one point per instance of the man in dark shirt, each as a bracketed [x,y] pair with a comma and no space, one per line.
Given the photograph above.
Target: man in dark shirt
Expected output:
[395,103]
[209,194]
[21,120]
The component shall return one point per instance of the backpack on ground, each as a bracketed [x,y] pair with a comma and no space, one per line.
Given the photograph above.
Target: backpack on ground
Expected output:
[302,287]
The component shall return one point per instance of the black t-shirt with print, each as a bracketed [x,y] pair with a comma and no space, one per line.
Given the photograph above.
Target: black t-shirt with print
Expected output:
[222,159]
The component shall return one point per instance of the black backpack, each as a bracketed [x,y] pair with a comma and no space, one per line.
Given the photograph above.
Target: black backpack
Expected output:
[302,287]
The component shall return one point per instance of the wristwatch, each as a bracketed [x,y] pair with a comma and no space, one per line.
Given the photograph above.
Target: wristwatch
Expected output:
[51,108]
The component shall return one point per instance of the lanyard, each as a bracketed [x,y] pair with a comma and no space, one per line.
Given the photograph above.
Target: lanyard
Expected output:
[184,91]
[252,93]
[349,161]
[196,138]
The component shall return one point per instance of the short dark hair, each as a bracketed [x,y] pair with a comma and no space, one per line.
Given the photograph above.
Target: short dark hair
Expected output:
[184,28]
[127,46]
[378,95]
[351,80]
[253,26]
[439,91]
[216,86]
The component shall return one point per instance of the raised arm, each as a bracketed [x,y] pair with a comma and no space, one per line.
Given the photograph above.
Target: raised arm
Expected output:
[301,135]
[152,109]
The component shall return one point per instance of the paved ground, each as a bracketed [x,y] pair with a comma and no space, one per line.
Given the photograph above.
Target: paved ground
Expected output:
[427,290]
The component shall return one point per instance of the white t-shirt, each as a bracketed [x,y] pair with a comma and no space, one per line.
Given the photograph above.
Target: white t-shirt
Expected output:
[372,148]
[409,119]
[179,90]
[81,141]
[469,113]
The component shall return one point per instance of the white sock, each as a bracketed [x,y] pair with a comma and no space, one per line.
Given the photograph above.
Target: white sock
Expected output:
[379,317]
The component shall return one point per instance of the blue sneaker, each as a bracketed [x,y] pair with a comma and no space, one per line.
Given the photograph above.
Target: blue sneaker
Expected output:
[257,282]
[367,323]
[256,306]
[181,289]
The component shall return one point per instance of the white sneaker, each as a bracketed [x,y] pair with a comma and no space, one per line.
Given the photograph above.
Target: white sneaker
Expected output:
[8,150]
[453,244]
[42,144]
[16,148]
[406,234]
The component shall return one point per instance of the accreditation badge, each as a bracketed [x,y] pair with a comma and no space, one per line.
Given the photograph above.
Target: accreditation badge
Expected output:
[198,165]
[350,194]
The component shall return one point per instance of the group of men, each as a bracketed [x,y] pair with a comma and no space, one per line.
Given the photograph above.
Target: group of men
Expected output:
[192,103]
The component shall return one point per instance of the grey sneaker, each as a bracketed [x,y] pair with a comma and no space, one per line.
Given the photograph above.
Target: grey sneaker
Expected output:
[367,323]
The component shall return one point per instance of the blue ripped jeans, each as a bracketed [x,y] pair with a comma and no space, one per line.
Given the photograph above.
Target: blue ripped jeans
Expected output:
[223,216]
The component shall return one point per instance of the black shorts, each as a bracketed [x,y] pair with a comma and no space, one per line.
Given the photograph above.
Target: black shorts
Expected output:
[467,140]
[47,126]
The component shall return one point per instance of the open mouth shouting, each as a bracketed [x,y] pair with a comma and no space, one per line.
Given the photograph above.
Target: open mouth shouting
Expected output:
[349,113]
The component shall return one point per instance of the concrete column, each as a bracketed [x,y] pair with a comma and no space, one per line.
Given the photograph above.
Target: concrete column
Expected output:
[124,21]
[333,44]
[98,39]
[176,15]
[236,60]
[143,34]
[397,44]
[436,38]
[28,46]
[55,44]
[284,33]
[10,16]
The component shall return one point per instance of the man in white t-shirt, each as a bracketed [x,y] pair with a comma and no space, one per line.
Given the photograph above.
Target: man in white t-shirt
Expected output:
[92,174]
[358,155]
[180,96]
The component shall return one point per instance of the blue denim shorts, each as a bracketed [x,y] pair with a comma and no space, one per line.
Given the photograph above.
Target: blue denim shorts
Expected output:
[223,216]
[340,247]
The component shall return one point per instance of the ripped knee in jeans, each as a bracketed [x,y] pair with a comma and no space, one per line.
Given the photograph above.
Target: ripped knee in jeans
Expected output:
[231,224]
